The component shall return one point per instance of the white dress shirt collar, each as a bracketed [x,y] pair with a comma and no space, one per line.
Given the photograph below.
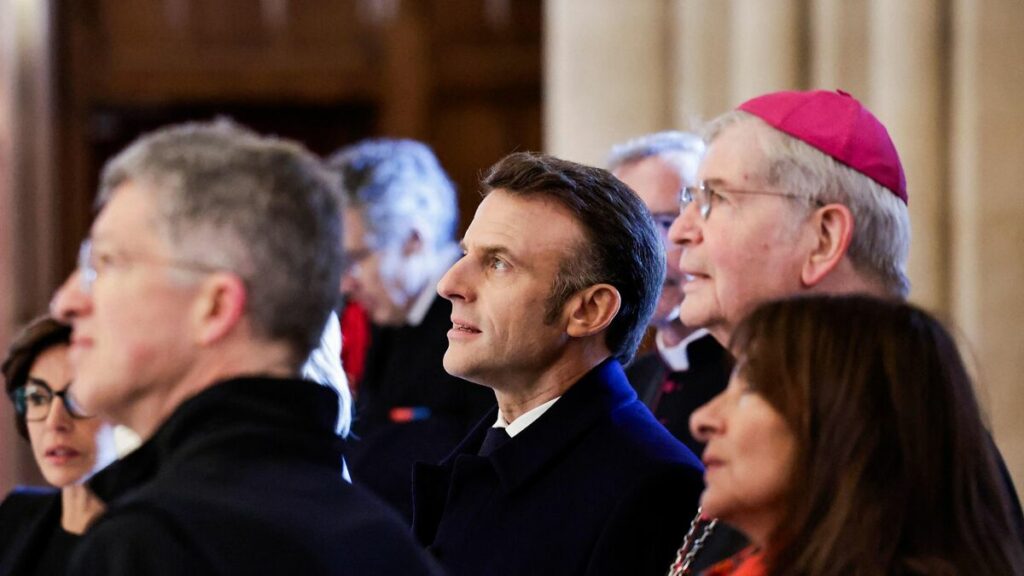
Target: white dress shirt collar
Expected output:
[677,357]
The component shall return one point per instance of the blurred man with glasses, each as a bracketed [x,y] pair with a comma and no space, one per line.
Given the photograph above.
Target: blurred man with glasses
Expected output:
[400,216]
[206,281]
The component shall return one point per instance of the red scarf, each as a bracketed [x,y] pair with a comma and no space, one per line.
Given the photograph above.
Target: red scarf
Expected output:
[747,562]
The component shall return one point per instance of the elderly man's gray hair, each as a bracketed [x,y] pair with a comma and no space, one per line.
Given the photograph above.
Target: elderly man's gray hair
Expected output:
[263,208]
[881,236]
[666,144]
[398,184]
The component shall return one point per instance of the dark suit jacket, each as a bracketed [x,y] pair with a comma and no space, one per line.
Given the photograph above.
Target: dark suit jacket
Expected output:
[594,486]
[244,478]
[28,518]
[404,370]
[674,400]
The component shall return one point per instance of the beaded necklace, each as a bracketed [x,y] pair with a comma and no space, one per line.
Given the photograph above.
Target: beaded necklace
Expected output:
[700,529]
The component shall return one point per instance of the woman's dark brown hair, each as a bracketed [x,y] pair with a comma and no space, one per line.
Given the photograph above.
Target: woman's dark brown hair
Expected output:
[895,472]
[40,334]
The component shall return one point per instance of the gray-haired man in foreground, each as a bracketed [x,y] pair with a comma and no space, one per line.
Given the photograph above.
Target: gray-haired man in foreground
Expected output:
[204,284]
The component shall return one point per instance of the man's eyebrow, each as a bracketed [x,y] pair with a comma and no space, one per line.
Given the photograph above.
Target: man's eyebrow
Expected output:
[489,250]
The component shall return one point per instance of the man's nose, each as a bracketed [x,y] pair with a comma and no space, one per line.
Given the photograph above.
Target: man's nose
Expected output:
[70,301]
[685,229]
[452,285]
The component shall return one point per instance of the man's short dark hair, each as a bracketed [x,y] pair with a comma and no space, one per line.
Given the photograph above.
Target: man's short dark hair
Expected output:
[622,247]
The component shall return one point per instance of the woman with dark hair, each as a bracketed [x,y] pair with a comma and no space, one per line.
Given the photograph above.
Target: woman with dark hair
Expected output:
[849,441]
[39,527]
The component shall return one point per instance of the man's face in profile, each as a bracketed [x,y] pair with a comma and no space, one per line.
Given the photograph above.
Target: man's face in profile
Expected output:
[500,289]
[375,275]
[130,317]
[751,246]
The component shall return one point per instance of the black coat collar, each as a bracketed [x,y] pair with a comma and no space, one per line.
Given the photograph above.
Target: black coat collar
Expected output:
[594,396]
[260,407]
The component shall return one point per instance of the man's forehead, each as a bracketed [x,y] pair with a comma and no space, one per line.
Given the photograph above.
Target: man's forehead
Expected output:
[127,215]
[735,157]
[657,182]
[521,225]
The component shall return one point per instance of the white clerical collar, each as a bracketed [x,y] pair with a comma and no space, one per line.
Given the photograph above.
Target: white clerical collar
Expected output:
[677,357]
[426,298]
[525,419]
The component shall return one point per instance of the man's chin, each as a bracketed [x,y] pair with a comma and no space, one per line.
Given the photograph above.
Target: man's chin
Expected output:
[692,316]
[459,368]
[452,365]
[84,398]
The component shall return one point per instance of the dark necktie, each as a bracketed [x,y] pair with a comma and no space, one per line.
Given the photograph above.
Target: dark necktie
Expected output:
[494,439]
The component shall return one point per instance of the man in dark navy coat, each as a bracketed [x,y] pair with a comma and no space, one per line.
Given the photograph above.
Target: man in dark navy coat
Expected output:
[571,473]
[206,282]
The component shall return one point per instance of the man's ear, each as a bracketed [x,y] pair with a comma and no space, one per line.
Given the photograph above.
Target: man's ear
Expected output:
[592,310]
[218,306]
[833,231]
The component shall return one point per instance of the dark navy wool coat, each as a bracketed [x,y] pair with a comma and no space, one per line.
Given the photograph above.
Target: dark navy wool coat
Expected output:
[595,486]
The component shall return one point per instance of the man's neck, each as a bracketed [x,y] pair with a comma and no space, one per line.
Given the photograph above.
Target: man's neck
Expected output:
[844,280]
[515,398]
[211,367]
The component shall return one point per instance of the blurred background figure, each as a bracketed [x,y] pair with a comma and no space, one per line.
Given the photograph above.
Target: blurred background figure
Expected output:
[39,527]
[849,441]
[399,225]
[687,366]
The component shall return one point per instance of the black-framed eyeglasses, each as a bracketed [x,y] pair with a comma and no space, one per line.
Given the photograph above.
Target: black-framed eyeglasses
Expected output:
[33,401]
[704,194]
[90,264]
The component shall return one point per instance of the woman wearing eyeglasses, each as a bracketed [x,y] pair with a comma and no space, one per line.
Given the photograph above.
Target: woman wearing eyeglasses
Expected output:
[39,527]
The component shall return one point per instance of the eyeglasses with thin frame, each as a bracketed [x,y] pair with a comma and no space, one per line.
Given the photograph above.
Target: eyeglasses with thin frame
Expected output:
[705,193]
[91,264]
[34,399]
